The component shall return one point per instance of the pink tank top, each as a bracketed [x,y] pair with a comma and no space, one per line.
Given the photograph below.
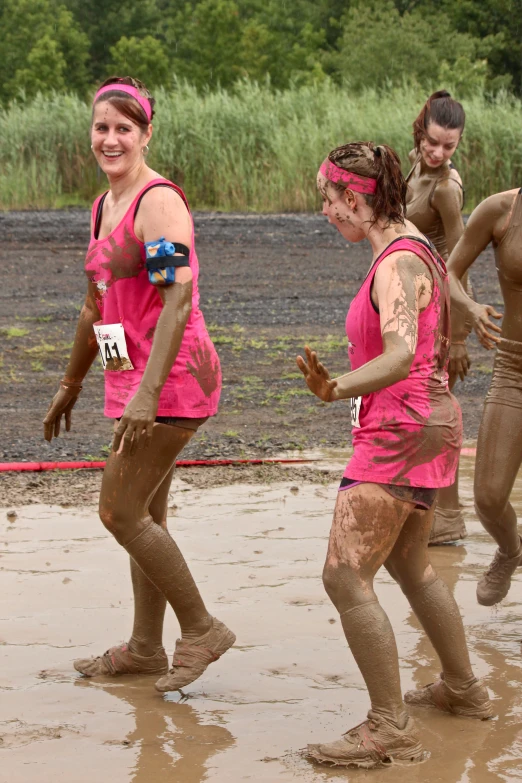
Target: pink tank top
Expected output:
[116,267]
[411,431]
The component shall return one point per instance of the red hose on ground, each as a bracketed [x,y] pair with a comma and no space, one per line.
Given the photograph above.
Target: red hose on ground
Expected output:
[16,467]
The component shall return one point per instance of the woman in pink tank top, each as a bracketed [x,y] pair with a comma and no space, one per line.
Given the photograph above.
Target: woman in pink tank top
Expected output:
[162,381]
[406,436]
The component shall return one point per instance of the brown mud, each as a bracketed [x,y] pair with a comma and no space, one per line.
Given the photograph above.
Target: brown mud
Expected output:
[269,283]
[257,553]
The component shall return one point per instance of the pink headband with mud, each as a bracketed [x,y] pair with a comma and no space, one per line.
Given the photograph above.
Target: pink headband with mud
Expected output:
[352,181]
[130,90]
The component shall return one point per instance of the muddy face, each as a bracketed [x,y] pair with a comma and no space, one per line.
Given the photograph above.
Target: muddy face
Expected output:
[117,142]
[338,208]
[439,144]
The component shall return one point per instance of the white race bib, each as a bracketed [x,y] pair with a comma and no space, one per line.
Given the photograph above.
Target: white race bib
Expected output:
[355,407]
[113,347]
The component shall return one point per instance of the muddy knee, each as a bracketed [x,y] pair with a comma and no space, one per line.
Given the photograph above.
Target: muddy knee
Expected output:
[414,582]
[489,504]
[121,523]
[346,586]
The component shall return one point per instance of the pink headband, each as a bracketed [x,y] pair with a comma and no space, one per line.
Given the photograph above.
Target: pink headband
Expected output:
[352,181]
[130,90]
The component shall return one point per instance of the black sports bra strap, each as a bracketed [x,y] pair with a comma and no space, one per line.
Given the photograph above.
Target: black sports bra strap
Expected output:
[157,185]
[97,221]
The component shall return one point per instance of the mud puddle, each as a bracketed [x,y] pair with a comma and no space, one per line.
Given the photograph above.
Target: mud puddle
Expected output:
[257,552]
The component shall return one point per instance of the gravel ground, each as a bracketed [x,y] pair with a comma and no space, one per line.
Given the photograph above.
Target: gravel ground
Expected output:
[269,283]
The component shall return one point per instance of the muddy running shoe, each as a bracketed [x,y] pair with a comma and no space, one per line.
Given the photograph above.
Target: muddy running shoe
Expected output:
[375,743]
[472,702]
[495,584]
[448,526]
[191,658]
[120,660]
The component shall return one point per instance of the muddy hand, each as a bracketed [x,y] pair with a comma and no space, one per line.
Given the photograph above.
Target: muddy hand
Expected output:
[459,361]
[63,402]
[136,424]
[484,327]
[316,375]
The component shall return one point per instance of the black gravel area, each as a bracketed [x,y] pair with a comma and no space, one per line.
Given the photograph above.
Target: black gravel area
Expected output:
[268,283]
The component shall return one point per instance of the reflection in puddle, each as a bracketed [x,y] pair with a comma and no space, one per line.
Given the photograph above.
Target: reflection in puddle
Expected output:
[288,681]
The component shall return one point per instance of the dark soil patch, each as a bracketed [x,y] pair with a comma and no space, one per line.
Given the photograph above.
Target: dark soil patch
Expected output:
[82,487]
[268,285]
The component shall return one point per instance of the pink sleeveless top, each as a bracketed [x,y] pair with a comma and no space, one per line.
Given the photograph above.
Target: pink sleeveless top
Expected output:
[116,267]
[411,431]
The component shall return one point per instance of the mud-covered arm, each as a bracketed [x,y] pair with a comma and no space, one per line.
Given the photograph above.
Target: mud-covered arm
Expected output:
[83,353]
[162,214]
[447,200]
[481,229]
[85,347]
[177,306]
[402,286]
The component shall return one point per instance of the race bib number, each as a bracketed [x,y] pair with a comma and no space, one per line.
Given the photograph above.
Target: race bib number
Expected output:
[355,407]
[113,347]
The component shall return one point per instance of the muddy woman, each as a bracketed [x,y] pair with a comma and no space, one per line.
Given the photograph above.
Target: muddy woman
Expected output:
[498,219]
[406,435]
[434,202]
[162,381]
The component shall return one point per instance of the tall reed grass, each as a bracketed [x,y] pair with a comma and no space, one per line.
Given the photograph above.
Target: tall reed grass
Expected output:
[249,149]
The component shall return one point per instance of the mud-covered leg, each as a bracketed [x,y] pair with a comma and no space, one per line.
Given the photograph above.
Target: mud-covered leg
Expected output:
[448,523]
[499,456]
[458,690]
[129,485]
[149,602]
[367,521]
[130,482]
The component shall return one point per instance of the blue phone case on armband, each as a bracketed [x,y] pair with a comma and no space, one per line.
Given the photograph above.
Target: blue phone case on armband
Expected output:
[159,271]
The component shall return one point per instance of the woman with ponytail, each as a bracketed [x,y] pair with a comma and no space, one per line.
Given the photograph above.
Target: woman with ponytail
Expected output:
[433,204]
[406,436]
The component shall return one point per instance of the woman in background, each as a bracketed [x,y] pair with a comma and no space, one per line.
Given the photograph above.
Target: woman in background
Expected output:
[497,219]
[433,204]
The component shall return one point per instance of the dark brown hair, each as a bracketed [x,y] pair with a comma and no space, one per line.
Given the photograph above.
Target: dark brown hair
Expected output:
[442,109]
[125,103]
[364,158]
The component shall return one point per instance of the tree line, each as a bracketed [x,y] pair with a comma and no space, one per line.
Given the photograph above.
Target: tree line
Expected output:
[72,45]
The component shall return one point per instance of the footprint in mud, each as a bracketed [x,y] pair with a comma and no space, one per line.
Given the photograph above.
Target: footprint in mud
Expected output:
[16,733]
[53,676]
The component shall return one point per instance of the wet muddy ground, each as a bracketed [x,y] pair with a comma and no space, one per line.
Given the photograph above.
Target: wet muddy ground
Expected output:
[268,285]
[257,552]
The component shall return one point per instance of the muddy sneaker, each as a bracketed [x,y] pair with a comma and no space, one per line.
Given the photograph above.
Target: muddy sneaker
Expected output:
[495,584]
[375,743]
[448,526]
[472,702]
[191,658]
[120,660]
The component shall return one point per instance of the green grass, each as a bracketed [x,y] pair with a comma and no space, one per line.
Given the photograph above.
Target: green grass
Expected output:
[249,149]
[14,331]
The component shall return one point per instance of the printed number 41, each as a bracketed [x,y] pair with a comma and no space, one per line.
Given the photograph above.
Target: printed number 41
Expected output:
[108,355]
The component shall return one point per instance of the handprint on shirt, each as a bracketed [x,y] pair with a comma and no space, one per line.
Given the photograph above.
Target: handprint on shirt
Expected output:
[205,367]
[124,261]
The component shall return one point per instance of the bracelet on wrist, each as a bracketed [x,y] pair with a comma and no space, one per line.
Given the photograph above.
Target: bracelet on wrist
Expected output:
[71,385]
